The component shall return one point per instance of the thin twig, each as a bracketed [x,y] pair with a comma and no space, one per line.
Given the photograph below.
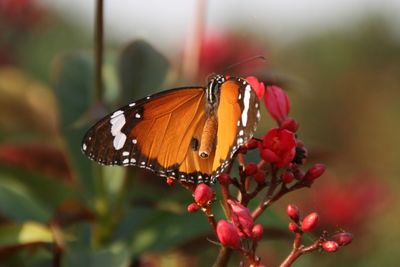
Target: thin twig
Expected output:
[223,257]
[98,37]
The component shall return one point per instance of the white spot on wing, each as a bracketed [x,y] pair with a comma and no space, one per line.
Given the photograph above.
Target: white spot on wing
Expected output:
[246,103]
[133,160]
[137,115]
[125,153]
[117,122]
[132,104]
[126,161]
[84,147]
[116,113]
[241,132]
[134,141]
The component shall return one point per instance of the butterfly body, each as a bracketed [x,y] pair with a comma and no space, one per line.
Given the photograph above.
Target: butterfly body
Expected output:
[189,134]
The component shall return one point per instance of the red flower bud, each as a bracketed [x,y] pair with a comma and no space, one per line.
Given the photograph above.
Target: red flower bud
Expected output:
[227,234]
[290,125]
[314,172]
[193,207]
[259,177]
[309,222]
[287,177]
[224,179]
[257,232]
[343,239]
[252,144]
[251,169]
[293,227]
[170,181]
[258,87]
[203,194]
[277,103]
[330,246]
[241,217]
[293,212]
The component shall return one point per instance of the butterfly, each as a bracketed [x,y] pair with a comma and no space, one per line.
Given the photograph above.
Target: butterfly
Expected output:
[190,134]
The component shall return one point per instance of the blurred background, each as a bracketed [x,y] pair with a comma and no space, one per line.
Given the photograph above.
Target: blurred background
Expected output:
[338,60]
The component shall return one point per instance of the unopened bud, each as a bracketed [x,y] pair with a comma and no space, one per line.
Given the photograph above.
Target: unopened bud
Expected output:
[310,222]
[203,194]
[293,227]
[314,172]
[170,181]
[257,232]
[290,125]
[343,239]
[287,177]
[330,246]
[293,212]
[193,207]
[260,177]
[251,169]
[227,234]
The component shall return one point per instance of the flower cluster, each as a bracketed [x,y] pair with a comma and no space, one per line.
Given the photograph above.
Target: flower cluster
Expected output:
[279,171]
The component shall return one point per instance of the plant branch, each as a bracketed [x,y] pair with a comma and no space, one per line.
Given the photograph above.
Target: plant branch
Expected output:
[98,37]
[223,257]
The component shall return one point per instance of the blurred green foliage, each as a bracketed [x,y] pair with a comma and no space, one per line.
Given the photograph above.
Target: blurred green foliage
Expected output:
[346,98]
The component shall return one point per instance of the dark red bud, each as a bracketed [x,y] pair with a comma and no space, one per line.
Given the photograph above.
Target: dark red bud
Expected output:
[269,155]
[314,172]
[227,234]
[330,246]
[170,181]
[259,177]
[293,212]
[224,179]
[293,227]
[193,207]
[252,144]
[251,169]
[310,222]
[343,239]
[287,177]
[298,174]
[290,125]
[203,194]
[257,232]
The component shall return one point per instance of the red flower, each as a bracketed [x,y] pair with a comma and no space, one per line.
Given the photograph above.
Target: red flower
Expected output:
[220,50]
[257,86]
[283,145]
[277,103]
[227,234]
[241,217]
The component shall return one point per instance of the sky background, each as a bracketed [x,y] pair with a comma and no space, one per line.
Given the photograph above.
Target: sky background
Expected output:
[167,21]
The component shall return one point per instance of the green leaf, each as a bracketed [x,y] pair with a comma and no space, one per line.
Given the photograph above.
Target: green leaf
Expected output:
[74,93]
[141,68]
[24,234]
[147,229]
[18,204]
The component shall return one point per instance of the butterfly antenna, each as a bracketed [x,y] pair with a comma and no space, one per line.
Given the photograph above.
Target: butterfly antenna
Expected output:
[259,57]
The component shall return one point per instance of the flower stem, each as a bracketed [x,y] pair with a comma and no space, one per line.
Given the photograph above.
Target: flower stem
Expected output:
[223,257]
